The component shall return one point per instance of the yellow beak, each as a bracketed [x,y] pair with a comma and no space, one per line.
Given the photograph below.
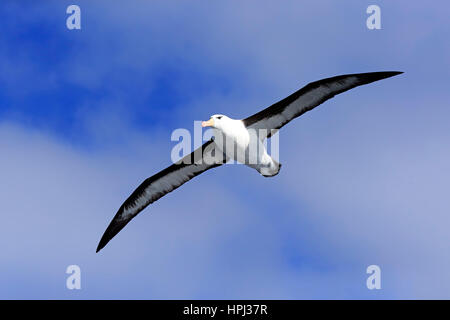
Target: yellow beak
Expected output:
[209,123]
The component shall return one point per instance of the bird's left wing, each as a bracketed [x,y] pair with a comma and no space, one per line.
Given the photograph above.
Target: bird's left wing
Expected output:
[307,98]
[202,159]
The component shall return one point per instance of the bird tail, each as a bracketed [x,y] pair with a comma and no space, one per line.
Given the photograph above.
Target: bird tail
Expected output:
[272,170]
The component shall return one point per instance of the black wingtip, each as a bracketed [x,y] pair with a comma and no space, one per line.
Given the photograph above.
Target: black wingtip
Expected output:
[116,225]
[110,232]
[369,77]
[103,242]
[393,73]
[100,247]
[385,74]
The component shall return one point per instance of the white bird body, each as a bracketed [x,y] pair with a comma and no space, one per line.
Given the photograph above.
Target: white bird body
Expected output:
[243,145]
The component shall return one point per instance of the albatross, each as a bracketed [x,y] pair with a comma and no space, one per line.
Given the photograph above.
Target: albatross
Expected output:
[247,137]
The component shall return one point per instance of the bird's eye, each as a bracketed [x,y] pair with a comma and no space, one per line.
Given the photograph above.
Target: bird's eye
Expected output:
[219,117]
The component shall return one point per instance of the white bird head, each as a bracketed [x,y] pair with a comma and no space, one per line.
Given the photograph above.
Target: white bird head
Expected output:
[216,121]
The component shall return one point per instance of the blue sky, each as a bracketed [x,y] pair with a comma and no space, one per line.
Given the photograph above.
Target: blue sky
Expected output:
[86,115]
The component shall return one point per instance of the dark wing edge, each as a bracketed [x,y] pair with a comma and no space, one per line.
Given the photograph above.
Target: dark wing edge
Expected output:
[160,184]
[309,97]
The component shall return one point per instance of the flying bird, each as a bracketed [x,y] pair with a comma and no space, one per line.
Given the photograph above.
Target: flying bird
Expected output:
[247,137]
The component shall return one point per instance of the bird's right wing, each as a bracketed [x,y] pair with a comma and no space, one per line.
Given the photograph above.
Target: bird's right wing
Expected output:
[202,159]
[307,98]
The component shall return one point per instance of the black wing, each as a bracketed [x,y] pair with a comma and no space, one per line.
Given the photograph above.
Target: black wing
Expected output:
[155,187]
[307,98]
